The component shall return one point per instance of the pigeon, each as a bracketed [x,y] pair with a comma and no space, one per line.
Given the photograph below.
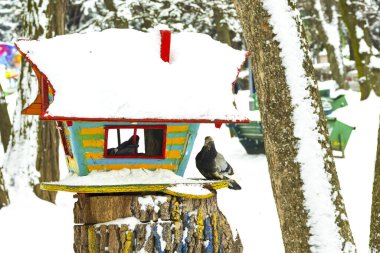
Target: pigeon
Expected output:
[125,148]
[212,164]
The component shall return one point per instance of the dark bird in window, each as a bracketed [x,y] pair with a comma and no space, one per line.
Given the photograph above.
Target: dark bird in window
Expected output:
[128,147]
[212,164]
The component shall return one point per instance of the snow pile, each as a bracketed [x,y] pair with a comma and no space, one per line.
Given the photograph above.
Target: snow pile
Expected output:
[127,177]
[192,189]
[325,236]
[107,75]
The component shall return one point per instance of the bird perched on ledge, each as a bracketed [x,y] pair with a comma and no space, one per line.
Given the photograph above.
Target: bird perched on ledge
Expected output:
[212,164]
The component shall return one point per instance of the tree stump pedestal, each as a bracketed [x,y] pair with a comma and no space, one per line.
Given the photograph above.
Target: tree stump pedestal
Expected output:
[124,223]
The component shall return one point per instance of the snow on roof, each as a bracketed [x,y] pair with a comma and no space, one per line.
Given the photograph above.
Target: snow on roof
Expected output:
[118,73]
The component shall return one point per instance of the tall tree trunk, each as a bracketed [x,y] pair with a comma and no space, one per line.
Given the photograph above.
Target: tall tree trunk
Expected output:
[5,131]
[222,30]
[47,162]
[4,198]
[301,166]
[20,159]
[5,123]
[360,41]
[327,24]
[374,237]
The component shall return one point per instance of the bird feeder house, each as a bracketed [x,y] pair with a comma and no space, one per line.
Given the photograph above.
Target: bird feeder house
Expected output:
[128,104]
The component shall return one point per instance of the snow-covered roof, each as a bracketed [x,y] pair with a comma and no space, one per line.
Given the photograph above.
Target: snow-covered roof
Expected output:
[118,74]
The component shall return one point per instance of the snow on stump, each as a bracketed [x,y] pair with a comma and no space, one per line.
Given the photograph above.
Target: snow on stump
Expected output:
[151,223]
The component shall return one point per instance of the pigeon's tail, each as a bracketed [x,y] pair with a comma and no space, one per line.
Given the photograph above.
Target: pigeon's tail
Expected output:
[232,184]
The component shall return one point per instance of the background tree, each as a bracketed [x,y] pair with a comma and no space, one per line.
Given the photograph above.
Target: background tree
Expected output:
[22,166]
[373,16]
[216,18]
[374,238]
[352,13]
[294,127]
[10,26]
[47,163]
[5,131]
[325,32]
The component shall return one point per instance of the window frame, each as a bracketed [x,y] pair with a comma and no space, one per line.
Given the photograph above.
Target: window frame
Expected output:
[135,127]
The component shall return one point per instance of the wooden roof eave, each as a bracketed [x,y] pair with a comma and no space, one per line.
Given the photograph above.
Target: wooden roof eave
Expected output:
[217,122]
[34,108]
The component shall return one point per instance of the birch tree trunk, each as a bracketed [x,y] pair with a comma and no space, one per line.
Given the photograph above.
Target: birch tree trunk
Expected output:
[374,237]
[22,166]
[352,13]
[301,166]
[20,160]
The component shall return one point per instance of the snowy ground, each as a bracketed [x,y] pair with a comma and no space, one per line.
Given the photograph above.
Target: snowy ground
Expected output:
[31,225]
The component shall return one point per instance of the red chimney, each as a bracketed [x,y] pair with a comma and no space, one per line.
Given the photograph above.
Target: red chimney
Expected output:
[165,45]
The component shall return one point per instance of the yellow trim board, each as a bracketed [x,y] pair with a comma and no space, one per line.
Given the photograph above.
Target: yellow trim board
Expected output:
[131,188]
[102,189]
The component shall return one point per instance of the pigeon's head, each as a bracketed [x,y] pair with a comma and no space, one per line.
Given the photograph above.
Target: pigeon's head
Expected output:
[208,141]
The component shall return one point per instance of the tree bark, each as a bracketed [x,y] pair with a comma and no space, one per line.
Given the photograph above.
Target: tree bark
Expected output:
[4,198]
[222,30]
[283,145]
[360,41]
[5,131]
[154,223]
[325,17]
[374,237]
[5,122]
[47,163]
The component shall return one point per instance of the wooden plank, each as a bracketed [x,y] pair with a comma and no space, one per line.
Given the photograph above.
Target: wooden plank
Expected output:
[218,184]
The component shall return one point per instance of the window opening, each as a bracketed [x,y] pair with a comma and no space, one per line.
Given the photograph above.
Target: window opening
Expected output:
[135,141]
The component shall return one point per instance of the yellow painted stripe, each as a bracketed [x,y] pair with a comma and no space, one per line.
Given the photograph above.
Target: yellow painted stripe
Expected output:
[179,140]
[173,154]
[172,129]
[131,166]
[128,188]
[67,132]
[102,189]
[93,143]
[90,131]
[94,155]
